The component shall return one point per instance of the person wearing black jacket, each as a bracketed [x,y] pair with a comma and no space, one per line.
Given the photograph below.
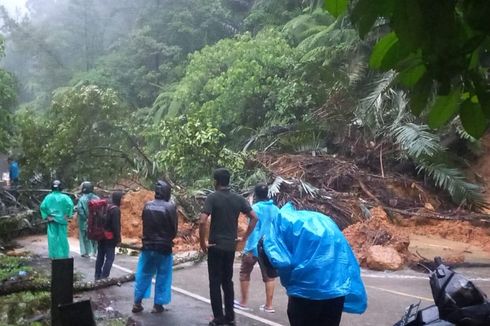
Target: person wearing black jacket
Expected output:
[107,248]
[159,229]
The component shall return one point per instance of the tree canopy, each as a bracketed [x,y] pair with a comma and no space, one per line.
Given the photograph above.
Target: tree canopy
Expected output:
[106,90]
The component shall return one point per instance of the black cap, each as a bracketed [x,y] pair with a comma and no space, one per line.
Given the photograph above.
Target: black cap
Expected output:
[56,185]
[87,187]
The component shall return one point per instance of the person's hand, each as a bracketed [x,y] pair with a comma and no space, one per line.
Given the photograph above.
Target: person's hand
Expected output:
[50,218]
[239,239]
[204,247]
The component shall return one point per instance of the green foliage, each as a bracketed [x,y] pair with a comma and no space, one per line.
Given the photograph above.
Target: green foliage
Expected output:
[454,182]
[190,149]
[438,46]
[18,308]
[7,102]
[425,148]
[11,266]
[336,7]
[238,82]
[81,136]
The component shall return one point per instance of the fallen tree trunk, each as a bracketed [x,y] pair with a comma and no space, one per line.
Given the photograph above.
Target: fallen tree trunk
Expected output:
[32,285]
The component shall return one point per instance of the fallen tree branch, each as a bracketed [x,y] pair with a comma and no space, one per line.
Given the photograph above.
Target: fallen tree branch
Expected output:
[33,285]
[436,215]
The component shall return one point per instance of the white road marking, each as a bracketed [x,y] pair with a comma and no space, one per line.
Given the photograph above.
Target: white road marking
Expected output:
[197,296]
[400,293]
[412,277]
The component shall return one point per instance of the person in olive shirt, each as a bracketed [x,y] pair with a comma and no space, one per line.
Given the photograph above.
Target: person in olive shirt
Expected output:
[106,251]
[224,206]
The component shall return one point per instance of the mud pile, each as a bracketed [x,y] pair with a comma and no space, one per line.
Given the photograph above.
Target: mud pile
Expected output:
[377,243]
[188,232]
[380,244]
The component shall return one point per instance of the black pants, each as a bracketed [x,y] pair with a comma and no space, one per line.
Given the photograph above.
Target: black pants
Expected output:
[105,257]
[220,269]
[305,312]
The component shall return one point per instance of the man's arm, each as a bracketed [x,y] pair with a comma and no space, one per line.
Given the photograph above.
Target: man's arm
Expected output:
[70,207]
[253,221]
[116,224]
[44,209]
[203,220]
[175,220]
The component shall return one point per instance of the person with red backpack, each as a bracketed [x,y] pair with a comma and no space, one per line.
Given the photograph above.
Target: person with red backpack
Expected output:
[87,246]
[106,248]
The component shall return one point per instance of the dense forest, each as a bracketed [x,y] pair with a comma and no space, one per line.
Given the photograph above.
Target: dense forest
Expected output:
[108,90]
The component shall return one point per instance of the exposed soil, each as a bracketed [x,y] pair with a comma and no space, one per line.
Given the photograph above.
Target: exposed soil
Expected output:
[377,231]
[131,223]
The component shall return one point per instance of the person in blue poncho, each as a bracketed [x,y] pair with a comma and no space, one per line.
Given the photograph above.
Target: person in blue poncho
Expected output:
[266,212]
[317,267]
[14,172]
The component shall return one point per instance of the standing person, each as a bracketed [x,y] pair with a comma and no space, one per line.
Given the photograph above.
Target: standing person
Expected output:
[266,212]
[56,209]
[106,249]
[316,266]
[224,206]
[159,229]
[87,247]
[14,172]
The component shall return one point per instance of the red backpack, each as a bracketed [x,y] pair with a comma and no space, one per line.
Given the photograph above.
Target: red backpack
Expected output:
[98,210]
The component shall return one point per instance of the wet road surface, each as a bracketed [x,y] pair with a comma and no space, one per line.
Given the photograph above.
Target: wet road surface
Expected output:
[388,293]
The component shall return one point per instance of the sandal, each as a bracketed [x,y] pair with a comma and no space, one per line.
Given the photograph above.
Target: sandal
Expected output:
[157,309]
[137,307]
[239,306]
[269,310]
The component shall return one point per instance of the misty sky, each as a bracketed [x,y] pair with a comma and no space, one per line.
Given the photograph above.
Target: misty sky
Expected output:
[14,6]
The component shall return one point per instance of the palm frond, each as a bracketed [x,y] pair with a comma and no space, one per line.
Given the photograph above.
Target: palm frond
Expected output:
[309,189]
[417,140]
[275,187]
[454,182]
[370,108]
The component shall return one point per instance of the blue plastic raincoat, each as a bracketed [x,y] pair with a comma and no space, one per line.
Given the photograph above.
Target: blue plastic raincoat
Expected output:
[266,213]
[313,258]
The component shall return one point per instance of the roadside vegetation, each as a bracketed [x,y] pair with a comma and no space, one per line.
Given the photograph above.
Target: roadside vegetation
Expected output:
[123,89]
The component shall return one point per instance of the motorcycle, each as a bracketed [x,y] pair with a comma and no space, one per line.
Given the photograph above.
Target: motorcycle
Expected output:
[458,302]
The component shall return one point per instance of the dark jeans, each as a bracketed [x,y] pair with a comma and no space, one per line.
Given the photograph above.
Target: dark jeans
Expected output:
[220,269]
[105,257]
[305,312]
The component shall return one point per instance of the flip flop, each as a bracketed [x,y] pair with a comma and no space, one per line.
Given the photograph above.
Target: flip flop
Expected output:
[269,310]
[239,306]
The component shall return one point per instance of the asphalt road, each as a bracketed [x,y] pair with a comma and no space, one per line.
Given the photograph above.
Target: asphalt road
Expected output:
[388,293]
